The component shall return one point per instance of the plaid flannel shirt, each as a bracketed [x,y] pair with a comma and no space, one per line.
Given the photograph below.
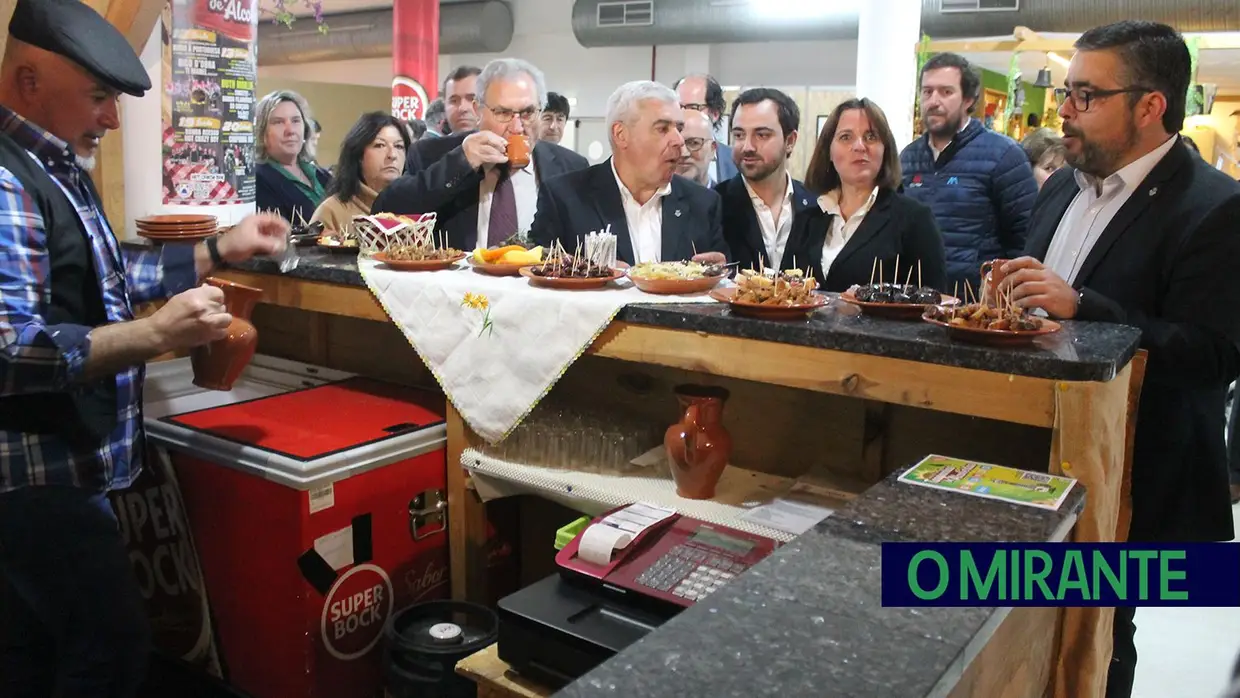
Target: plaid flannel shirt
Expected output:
[38,358]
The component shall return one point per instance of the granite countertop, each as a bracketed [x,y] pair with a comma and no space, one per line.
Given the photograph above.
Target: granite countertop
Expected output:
[1082,351]
[808,620]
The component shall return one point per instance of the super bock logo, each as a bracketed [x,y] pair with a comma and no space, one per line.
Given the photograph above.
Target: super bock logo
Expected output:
[355,611]
[408,98]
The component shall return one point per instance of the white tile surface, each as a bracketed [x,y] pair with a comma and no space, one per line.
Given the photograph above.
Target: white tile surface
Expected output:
[1186,652]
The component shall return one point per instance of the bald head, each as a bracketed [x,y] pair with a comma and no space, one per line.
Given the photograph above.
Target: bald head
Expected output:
[58,95]
[699,148]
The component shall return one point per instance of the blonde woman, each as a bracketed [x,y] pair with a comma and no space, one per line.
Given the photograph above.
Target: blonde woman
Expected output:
[286,179]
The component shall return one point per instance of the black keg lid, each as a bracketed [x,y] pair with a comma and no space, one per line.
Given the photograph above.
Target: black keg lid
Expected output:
[443,628]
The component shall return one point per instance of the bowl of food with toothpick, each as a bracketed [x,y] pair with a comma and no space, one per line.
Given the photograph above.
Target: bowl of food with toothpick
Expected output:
[788,295]
[993,322]
[406,244]
[676,278]
[583,270]
[893,300]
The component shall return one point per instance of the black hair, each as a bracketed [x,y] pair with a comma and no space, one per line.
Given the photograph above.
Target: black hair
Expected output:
[557,103]
[417,128]
[436,113]
[1154,56]
[314,124]
[714,93]
[789,112]
[460,73]
[970,78]
[348,179]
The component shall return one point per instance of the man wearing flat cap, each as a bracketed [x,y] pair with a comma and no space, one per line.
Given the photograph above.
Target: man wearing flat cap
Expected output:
[72,354]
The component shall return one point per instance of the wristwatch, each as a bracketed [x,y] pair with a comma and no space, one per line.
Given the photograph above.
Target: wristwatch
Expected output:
[213,249]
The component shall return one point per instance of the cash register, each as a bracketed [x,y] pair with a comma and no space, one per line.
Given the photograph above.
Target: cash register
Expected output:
[623,576]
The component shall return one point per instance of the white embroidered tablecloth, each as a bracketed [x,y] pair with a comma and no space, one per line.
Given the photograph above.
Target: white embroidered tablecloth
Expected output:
[496,362]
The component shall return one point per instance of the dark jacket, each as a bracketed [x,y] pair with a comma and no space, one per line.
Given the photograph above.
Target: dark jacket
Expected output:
[895,225]
[725,168]
[274,191]
[741,229]
[440,180]
[88,413]
[1166,265]
[589,200]
[981,190]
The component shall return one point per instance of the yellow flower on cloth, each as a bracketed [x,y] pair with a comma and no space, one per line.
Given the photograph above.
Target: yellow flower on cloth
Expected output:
[479,301]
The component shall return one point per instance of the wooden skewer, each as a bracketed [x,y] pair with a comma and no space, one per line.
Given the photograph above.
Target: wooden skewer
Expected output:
[908,277]
[880,272]
[919,274]
[895,273]
[873,267]
[956,288]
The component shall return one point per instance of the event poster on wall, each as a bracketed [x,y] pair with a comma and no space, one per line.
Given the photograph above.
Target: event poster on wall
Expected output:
[209,69]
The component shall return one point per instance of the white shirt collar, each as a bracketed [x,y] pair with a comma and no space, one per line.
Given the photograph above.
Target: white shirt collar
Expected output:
[628,195]
[830,202]
[754,198]
[1130,176]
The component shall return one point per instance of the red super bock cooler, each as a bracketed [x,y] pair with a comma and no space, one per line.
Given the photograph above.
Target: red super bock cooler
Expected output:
[316,512]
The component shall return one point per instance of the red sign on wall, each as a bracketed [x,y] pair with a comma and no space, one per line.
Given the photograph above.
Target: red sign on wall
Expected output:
[415,56]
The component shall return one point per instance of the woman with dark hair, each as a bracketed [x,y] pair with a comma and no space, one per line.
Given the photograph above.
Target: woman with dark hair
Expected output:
[371,156]
[861,223]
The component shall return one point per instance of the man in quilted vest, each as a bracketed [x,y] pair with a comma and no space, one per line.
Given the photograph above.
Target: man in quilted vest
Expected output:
[978,182]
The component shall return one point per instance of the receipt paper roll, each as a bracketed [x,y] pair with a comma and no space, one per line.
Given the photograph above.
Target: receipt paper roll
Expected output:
[599,541]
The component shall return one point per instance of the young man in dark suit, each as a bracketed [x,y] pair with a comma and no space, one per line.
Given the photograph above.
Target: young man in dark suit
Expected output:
[760,202]
[656,215]
[466,179]
[1140,231]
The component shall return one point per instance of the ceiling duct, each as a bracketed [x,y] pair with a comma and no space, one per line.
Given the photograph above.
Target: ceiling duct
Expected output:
[598,23]
[464,27]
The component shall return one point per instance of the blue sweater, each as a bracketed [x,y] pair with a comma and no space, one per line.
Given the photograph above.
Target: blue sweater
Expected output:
[981,191]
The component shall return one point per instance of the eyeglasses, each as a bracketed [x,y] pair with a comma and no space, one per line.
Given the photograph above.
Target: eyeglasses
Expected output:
[696,106]
[694,144]
[1082,97]
[503,115]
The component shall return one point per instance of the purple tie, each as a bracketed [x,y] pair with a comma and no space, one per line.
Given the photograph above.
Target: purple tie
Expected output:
[503,223]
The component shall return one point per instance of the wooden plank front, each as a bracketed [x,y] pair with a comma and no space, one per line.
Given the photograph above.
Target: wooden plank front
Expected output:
[964,391]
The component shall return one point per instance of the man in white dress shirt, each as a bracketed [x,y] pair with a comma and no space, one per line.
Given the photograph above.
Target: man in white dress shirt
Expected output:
[1140,231]
[656,215]
[760,202]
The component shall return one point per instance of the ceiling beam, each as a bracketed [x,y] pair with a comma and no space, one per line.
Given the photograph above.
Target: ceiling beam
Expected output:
[1025,39]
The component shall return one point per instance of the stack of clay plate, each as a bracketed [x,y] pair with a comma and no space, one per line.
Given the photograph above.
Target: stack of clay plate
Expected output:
[177,228]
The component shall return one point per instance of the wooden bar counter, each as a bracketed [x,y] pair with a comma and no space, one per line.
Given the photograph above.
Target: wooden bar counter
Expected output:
[857,397]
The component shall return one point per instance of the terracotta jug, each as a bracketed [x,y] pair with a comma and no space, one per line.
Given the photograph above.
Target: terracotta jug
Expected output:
[698,446]
[218,365]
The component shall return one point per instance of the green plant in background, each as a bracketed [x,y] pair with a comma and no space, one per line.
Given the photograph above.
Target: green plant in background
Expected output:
[279,12]
[923,55]
[1193,104]
[1015,93]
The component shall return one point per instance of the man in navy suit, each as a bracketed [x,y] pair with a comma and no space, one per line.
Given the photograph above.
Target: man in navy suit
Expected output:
[703,93]
[479,198]
[655,214]
[1140,231]
[760,202]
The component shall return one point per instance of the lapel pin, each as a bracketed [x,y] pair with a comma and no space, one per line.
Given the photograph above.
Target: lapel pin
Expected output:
[678,213]
[1153,191]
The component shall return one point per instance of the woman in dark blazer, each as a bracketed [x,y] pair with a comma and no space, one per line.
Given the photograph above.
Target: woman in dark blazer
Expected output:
[860,217]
